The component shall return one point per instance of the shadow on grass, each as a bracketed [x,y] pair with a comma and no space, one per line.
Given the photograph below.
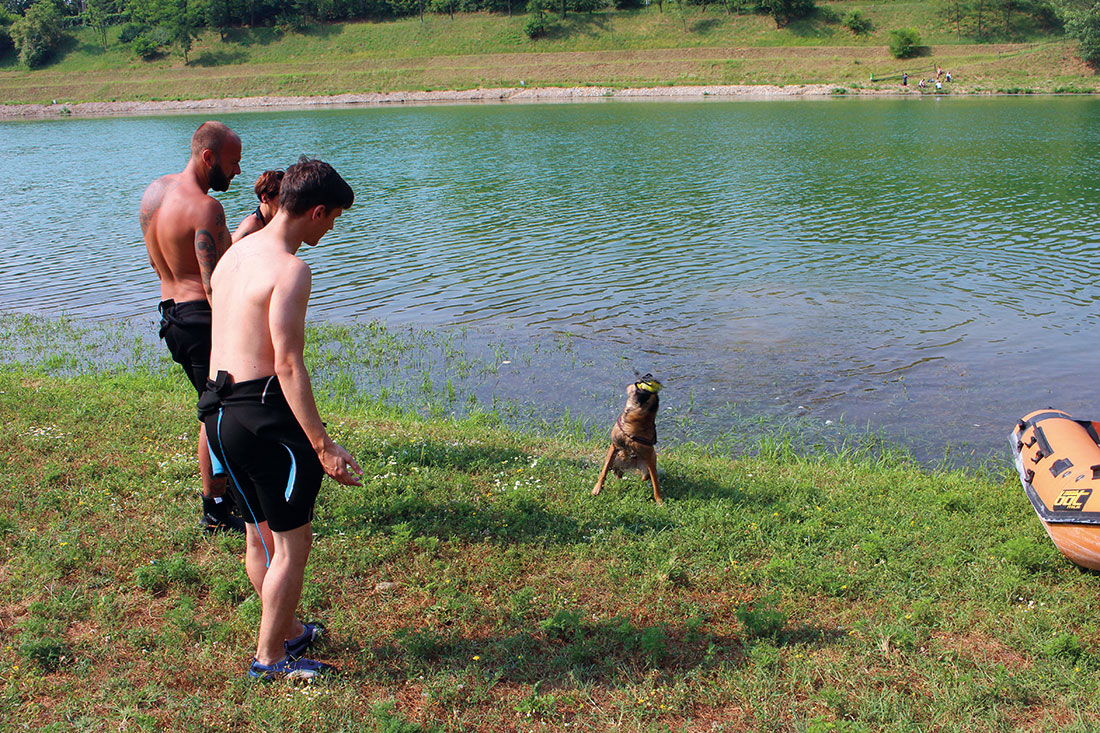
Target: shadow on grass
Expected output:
[512,517]
[579,25]
[706,25]
[221,57]
[250,36]
[521,520]
[812,27]
[568,647]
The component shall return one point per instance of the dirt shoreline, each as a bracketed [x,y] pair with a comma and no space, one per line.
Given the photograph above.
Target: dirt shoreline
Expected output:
[516,94]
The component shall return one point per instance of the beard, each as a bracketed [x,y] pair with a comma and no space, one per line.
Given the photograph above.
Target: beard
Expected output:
[218,180]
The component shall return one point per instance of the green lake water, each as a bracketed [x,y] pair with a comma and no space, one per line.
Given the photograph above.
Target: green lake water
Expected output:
[926,268]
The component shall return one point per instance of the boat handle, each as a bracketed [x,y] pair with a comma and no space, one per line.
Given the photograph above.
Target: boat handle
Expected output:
[1096,472]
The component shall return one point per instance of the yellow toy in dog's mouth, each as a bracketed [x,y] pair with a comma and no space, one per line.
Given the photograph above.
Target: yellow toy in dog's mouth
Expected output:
[648,384]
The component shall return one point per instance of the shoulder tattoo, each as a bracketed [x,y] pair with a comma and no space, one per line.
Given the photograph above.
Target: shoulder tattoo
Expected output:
[152,200]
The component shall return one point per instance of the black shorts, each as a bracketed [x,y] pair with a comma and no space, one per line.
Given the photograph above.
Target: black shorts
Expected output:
[256,440]
[185,328]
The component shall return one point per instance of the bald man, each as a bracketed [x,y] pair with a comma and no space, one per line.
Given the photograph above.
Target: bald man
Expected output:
[185,235]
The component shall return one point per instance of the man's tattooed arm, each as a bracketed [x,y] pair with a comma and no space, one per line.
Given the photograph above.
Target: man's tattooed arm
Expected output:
[207,253]
[210,245]
[224,238]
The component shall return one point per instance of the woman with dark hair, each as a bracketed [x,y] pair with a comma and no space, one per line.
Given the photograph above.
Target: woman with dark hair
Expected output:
[267,191]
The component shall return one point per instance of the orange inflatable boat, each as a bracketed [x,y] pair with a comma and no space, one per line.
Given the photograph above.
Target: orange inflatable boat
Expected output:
[1059,463]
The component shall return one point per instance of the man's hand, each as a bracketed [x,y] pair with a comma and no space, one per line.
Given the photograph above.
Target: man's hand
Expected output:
[339,464]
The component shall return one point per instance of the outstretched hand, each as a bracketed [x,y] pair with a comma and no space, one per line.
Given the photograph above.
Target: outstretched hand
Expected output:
[339,464]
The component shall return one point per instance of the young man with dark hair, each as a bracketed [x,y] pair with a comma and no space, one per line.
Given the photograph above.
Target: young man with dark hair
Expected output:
[185,234]
[259,410]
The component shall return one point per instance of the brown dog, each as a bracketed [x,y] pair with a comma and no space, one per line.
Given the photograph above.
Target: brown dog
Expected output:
[634,436]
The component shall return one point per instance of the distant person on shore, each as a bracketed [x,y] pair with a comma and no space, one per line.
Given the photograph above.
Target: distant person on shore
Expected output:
[904,79]
[185,235]
[921,84]
[260,413]
[267,191]
[948,75]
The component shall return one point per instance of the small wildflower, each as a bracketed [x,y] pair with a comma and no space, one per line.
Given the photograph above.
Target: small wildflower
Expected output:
[477,657]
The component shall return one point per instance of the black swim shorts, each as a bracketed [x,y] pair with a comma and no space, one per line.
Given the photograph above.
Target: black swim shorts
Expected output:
[256,440]
[185,328]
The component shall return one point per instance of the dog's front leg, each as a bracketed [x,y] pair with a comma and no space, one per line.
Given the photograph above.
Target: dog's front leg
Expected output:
[603,471]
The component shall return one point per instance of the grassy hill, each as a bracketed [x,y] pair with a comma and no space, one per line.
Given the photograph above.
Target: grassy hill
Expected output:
[613,48]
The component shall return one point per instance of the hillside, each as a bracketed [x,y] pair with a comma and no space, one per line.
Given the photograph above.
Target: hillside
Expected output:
[699,46]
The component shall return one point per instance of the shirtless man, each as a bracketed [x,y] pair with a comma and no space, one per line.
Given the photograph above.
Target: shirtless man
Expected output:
[259,410]
[185,234]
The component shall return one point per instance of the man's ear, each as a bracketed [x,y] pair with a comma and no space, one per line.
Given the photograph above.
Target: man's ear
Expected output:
[320,211]
[208,158]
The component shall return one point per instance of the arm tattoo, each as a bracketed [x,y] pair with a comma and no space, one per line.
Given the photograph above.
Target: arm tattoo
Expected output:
[224,237]
[207,253]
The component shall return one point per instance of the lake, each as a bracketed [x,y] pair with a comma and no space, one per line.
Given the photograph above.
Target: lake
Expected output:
[923,268]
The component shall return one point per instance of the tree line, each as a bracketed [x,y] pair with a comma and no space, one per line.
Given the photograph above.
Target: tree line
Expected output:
[35,28]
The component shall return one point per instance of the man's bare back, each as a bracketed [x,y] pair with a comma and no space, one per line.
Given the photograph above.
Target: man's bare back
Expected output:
[260,293]
[184,227]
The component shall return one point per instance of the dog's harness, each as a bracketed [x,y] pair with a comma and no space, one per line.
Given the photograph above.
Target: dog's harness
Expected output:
[635,438]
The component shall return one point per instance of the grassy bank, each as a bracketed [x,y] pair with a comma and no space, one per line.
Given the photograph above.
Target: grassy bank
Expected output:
[617,49]
[836,591]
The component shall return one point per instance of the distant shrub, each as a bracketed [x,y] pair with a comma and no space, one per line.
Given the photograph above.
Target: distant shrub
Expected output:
[904,43]
[858,23]
[130,32]
[535,27]
[145,47]
[827,15]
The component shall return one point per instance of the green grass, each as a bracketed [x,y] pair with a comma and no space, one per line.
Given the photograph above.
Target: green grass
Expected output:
[778,590]
[613,48]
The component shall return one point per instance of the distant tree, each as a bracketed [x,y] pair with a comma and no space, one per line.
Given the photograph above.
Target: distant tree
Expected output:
[1084,27]
[96,13]
[6,19]
[38,33]
[784,11]
[904,43]
[954,11]
[536,25]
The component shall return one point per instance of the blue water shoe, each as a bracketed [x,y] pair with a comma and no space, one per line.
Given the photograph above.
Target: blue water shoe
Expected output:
[290,669]
[299,645]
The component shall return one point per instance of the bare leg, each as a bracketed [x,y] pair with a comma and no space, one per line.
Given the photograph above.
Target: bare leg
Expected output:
[257,537]
[255,556]
[603,472]
[282,588]
[211,486]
